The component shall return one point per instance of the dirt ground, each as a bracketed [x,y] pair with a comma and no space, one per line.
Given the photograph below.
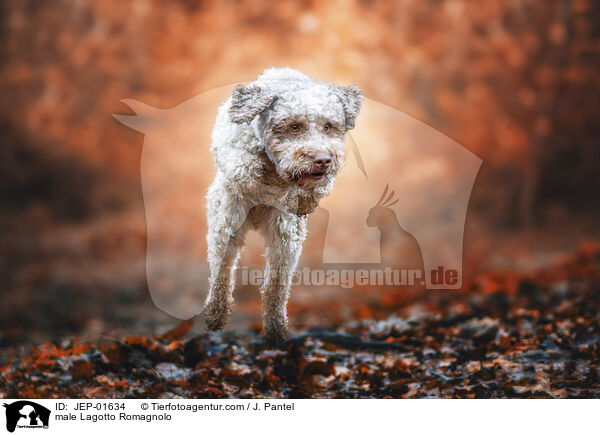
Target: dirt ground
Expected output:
[505,336]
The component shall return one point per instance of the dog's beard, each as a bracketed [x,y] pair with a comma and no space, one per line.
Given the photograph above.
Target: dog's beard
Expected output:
[309,178]
[298,169]
[302,175]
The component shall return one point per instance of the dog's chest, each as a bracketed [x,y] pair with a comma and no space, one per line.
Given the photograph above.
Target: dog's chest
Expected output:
[259,215]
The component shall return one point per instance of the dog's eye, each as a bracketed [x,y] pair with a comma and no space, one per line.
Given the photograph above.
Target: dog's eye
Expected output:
[327,127]
[294,128]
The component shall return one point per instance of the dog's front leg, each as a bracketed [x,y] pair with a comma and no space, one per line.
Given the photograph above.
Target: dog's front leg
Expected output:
[284,234]
[221,282]
[226,229]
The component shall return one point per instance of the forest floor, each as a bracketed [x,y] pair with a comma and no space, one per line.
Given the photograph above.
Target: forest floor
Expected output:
[504,335]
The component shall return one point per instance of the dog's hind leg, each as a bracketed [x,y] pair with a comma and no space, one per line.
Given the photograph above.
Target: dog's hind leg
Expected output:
[284,234]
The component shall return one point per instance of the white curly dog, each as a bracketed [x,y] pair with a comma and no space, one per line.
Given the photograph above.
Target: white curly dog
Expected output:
[278,143]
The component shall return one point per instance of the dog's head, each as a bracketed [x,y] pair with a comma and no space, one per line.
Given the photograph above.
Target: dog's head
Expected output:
[300,122]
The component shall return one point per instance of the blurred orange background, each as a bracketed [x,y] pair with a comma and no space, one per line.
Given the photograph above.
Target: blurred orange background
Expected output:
[517,83]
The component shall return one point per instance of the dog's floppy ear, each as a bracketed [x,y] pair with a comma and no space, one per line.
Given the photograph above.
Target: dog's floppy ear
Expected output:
[351,98]
[247,102]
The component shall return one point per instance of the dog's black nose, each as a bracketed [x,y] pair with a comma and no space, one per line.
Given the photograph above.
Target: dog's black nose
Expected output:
[322,162]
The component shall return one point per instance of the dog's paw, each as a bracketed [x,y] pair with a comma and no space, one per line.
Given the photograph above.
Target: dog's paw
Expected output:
[217,313]
[274,339]
[276,332]
[215,323]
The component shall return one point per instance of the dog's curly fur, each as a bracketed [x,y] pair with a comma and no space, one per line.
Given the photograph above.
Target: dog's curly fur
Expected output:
[266,140]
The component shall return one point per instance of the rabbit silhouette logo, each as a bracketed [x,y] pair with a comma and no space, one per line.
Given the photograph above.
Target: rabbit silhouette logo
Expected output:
[26,414]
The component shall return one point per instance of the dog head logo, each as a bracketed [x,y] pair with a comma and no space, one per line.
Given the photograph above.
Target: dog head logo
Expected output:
[418,224]
[26,414]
